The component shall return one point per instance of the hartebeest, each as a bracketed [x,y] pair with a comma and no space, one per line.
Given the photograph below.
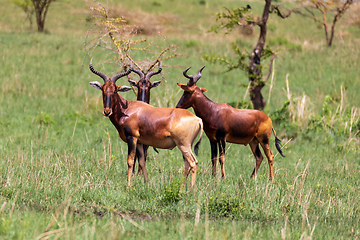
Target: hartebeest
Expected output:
[144,85]
[143,93]
[139,123]
[223,123]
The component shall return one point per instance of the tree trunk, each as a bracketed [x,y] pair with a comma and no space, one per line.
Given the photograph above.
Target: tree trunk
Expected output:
[255,74]
[41,7]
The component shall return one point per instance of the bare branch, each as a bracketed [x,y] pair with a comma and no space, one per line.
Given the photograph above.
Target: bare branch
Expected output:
[276,9]
[270,67]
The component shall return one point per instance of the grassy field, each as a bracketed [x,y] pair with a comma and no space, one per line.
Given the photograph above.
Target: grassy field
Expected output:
[63,167]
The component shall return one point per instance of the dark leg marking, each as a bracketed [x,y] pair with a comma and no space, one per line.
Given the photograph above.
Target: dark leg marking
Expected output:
[257,152]
[265,139]
[214,155]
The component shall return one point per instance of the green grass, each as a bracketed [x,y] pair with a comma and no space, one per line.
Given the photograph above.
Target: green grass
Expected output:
[63,167]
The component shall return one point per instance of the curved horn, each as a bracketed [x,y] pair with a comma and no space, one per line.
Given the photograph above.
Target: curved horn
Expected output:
[198,76]
[140,73]
[100,74]
[150,74]
[120,75]
[185,73]
[190,77]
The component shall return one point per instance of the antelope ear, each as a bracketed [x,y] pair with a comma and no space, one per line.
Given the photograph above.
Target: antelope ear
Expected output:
[186,88]
[132,83]
[95,85]
[124,89]
[183,86]
[203,89]
[155,84]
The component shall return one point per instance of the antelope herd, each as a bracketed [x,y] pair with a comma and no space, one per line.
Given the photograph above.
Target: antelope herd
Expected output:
[141,125]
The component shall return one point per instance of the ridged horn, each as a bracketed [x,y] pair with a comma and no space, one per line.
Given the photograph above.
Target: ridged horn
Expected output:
[140,73]
[185,73]
[100,74]
[198,76]
[150,74]
[120,75]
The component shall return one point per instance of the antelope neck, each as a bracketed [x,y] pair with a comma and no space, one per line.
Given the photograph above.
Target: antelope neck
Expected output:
[120,104]
[202,106]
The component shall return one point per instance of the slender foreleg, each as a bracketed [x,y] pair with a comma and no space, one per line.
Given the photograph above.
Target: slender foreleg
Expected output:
[214,157]
[270,157]
[140,151]
[131,141]
[254,145]
[222,143]
[144,149]
[190,163]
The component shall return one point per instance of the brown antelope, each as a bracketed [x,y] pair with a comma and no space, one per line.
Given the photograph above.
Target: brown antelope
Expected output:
[144,85]
[139,123]
[223,123]
[143,94]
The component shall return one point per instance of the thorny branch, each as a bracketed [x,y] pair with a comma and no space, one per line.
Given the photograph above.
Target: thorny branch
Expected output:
[124,38]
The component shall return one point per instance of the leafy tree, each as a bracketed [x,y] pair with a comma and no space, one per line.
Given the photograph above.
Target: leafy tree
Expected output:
[27,7]
[41,8]
[249,62]
[37,7]
[332,8]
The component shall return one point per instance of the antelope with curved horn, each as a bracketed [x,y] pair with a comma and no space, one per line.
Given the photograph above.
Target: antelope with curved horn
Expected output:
[144,85]
[139,123]
[223,123]
[143,94]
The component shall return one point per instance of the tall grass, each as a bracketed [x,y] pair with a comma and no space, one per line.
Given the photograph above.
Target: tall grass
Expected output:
[63,167]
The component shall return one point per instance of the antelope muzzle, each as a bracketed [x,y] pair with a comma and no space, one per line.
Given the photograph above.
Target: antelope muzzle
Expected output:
[107,111]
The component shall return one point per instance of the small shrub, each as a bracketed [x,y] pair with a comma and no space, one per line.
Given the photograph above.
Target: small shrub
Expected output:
[202,2]
[44,119]
[223,206]
[171,192]
[156,3]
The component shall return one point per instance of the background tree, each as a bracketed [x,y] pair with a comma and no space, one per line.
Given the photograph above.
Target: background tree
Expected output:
[123,40]
[332,8]
[39,8]
[240,17]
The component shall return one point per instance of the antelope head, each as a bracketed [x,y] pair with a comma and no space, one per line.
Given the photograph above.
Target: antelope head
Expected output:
[144,85]
[109,88]
[190,89]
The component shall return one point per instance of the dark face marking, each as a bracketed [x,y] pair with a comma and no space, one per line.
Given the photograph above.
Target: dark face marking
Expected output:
[144,95]
[107,102]
[143,87]
[108,90]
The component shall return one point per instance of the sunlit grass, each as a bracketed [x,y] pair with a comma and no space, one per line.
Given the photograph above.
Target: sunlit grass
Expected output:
[63,167]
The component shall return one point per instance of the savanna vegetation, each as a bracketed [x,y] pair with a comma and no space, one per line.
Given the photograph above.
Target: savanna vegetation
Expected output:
[63,167]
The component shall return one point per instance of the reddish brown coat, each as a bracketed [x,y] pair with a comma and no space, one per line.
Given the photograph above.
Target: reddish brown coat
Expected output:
[143,87]
[223,123]
[139,123]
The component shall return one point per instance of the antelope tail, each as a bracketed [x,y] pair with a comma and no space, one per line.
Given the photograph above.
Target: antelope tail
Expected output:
[196,148]
[278,143]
